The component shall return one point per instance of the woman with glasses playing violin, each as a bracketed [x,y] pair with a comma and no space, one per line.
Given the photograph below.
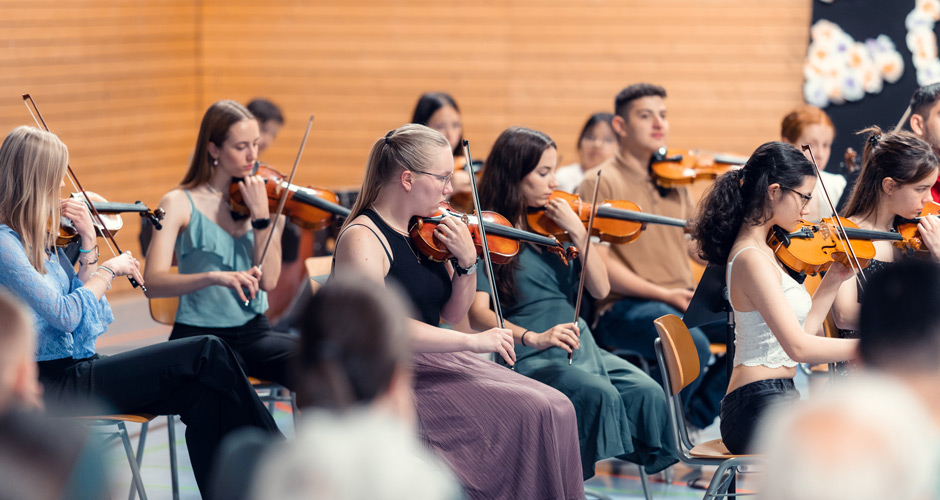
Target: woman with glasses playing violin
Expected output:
[776,319]
[221,288]
[197,378]
[506,436]
[621,410]
[898,171]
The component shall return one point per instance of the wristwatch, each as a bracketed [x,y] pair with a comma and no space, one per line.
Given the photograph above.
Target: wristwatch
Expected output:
[260,224]
[460,271]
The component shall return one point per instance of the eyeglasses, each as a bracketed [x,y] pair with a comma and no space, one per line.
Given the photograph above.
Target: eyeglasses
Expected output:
[806,198]
[602,140]
[443,178]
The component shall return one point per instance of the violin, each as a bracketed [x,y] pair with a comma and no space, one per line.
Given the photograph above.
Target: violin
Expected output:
[672,168]
[907,229]
[502,238]
[308,207]
[109,216]
[615,221]
[813,247]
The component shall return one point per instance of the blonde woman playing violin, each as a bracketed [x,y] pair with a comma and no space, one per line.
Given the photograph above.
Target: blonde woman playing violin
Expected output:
[776,319]
[221,287]
[506,436]
[197,378]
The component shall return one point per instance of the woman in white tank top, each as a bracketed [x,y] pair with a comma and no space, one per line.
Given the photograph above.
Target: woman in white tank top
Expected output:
[776,319]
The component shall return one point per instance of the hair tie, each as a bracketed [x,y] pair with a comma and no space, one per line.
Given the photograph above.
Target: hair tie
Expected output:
[389,134]
[873,140]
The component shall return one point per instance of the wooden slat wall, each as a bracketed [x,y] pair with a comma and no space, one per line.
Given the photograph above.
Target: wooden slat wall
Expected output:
[732,67]
[124,83]
[117,81]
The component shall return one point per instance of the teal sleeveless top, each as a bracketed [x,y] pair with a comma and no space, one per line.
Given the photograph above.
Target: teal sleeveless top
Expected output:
[202,247]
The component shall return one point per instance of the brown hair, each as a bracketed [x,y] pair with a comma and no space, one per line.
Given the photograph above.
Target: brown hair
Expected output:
[353,337]
[410,147]
[901,156]
[216,123]
[793,124]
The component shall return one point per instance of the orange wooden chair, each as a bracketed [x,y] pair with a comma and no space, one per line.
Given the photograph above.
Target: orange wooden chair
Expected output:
[678,361]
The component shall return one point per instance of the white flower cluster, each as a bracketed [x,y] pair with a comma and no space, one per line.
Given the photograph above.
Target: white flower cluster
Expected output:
[922,41]
[839,69]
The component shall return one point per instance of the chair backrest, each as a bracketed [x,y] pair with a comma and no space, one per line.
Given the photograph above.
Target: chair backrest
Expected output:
[163,309]
[679,352]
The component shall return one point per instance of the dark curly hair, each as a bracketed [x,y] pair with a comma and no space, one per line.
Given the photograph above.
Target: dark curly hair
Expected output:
[514,155]
[740,197]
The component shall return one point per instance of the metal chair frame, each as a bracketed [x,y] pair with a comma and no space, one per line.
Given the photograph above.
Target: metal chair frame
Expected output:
[712,452]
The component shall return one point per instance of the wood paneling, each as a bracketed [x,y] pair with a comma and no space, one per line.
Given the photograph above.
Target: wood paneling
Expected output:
[732,68]
[125,83]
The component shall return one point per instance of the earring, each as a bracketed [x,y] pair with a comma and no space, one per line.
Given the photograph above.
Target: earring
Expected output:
[215,162]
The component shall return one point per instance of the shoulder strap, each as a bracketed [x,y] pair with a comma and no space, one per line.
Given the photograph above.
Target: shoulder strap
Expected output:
[731,263]
[387,252]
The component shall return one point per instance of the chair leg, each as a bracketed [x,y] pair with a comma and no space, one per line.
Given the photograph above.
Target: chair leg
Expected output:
[293,408]
[135,470]
[721,481]
[174,474]
[141,442]
[645,481]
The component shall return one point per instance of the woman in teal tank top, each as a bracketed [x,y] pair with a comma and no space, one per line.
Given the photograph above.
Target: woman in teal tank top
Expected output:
[222,291]
[621,411]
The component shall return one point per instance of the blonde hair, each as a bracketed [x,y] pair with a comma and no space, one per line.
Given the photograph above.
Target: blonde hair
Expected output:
[33,163]
[216,123]
[410,147]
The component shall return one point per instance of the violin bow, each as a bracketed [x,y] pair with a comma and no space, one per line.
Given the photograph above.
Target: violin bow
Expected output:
[283,200]
[494,294]
[587,248]
[116,250]
[842,235]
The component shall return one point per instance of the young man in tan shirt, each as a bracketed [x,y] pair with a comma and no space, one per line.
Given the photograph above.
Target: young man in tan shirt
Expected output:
[651,276]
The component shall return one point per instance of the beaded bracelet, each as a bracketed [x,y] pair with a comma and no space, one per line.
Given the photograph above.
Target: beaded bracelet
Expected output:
[101,277]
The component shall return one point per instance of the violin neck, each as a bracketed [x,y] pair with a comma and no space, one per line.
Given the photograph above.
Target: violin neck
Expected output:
[507,232]
[302,195]
[853,233]
[730,159]
[107,207]
[643,217]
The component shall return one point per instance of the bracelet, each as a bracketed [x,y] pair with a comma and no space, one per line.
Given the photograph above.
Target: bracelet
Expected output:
[106,268]
[90,262]
[522,340]
[87,251]
[101,277]
[260,224]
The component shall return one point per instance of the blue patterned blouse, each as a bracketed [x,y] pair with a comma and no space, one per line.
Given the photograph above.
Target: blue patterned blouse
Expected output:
[68,318]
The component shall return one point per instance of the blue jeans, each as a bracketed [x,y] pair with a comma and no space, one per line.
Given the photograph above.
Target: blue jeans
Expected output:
[743,409]
[628,324]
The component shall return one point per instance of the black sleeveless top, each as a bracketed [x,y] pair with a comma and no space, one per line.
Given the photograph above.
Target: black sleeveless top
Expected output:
[425,282]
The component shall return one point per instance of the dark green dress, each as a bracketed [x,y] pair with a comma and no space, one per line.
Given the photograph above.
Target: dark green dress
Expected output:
[621,411]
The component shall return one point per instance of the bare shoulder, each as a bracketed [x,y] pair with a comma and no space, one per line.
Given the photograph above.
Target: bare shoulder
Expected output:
[177,208]
[362,246]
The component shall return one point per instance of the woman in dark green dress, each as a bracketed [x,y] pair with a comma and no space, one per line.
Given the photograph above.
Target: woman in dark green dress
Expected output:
[621,411]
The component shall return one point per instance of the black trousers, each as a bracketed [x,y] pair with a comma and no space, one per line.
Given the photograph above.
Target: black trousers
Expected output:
[745,407]
[261,352]
[197,378]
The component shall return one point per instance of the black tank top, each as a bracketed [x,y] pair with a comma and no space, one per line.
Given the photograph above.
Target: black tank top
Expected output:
[424,281]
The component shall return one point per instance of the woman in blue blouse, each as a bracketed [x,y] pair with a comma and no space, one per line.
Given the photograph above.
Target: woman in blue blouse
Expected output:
[197,378]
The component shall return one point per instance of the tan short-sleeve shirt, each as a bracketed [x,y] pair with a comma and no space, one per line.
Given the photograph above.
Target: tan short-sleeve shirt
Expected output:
[660,255]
